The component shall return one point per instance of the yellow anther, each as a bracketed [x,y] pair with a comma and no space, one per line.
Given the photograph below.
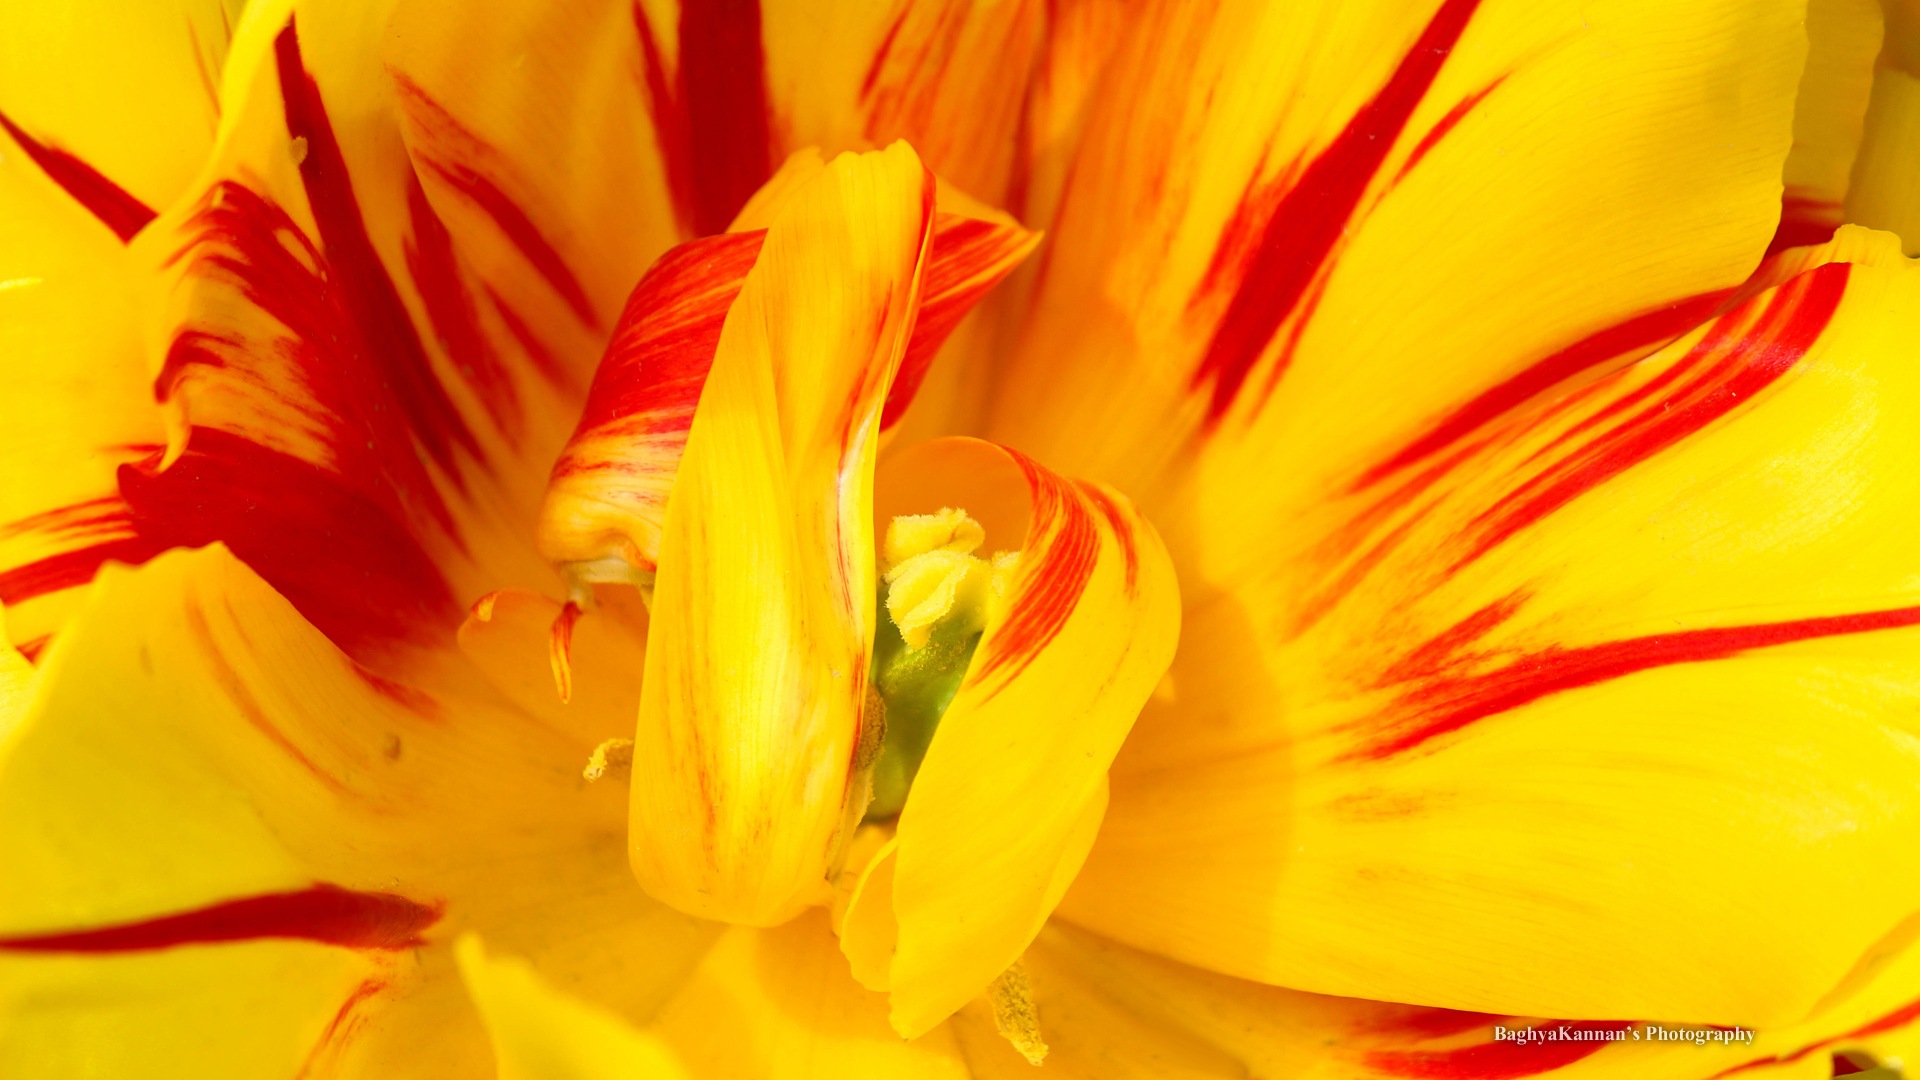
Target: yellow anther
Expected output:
[613,756]
[934,587]
[917,534]
[934,579]
[1014,1015]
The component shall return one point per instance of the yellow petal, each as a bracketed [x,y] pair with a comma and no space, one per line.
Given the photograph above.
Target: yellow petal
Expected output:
[608,495]
[264,784]
[1576,688]
[507,636]
[1080,43]
[623,128]
[540,1033]
[1843,38]
[531,138]
[778,1004]
[1883,188]
[120,102]
[1281,214]
[16,683]
[78,402]
[264,1008]
[1013,786]
[1094,995]
[762,612]
[949,77]
[347,401]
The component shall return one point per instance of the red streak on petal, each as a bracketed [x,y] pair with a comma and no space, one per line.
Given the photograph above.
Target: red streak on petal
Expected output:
[364,290]
[1494,1060]
[664,344]
[967,258]
[723,90]
[31,648]
[1898,1018]
[342,1026]
[105,524]
[352,569]
[1448,649]
[1637,335]
[90,517]
[520,230]
[236,690]
[539,353]
[560,650]
[70,569]
[452,312]
[1780,337]
[1122,533]
[1062,547]
[330,371]
[712,119]
[104,199]
[1461,436]
[1449,705]
[1447,123]
[1432,1023]
[872,78]
[446,142]
[1312,215]
[415,701]
[327,914]
[1804,221]
[669,120]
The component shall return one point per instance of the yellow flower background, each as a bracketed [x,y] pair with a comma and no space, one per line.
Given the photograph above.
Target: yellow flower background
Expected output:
[1438,554]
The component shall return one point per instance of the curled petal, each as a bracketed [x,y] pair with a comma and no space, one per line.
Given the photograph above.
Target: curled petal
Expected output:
[1013,786]
[750,708]
[609,489]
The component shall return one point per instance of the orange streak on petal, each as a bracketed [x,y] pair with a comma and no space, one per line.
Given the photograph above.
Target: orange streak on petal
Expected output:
[560,647]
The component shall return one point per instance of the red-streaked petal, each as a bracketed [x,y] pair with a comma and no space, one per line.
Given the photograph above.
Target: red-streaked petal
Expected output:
[742,783]
[1313,202]
[1659,612]
[610,486]
[118,104]
[354,411]
[1013,785]
[77,404]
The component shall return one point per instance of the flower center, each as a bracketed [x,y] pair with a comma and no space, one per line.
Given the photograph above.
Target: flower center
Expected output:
[938,597]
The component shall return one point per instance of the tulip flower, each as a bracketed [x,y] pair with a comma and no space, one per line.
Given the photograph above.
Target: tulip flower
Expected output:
[764,539]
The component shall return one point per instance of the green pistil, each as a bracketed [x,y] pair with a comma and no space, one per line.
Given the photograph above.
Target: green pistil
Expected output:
[915,687]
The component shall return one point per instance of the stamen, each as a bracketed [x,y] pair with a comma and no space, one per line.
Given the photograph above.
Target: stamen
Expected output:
[613,756]
[1014,1015]
[933,578]
[559,650]
[928,587]
[914,534]
[938,599]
